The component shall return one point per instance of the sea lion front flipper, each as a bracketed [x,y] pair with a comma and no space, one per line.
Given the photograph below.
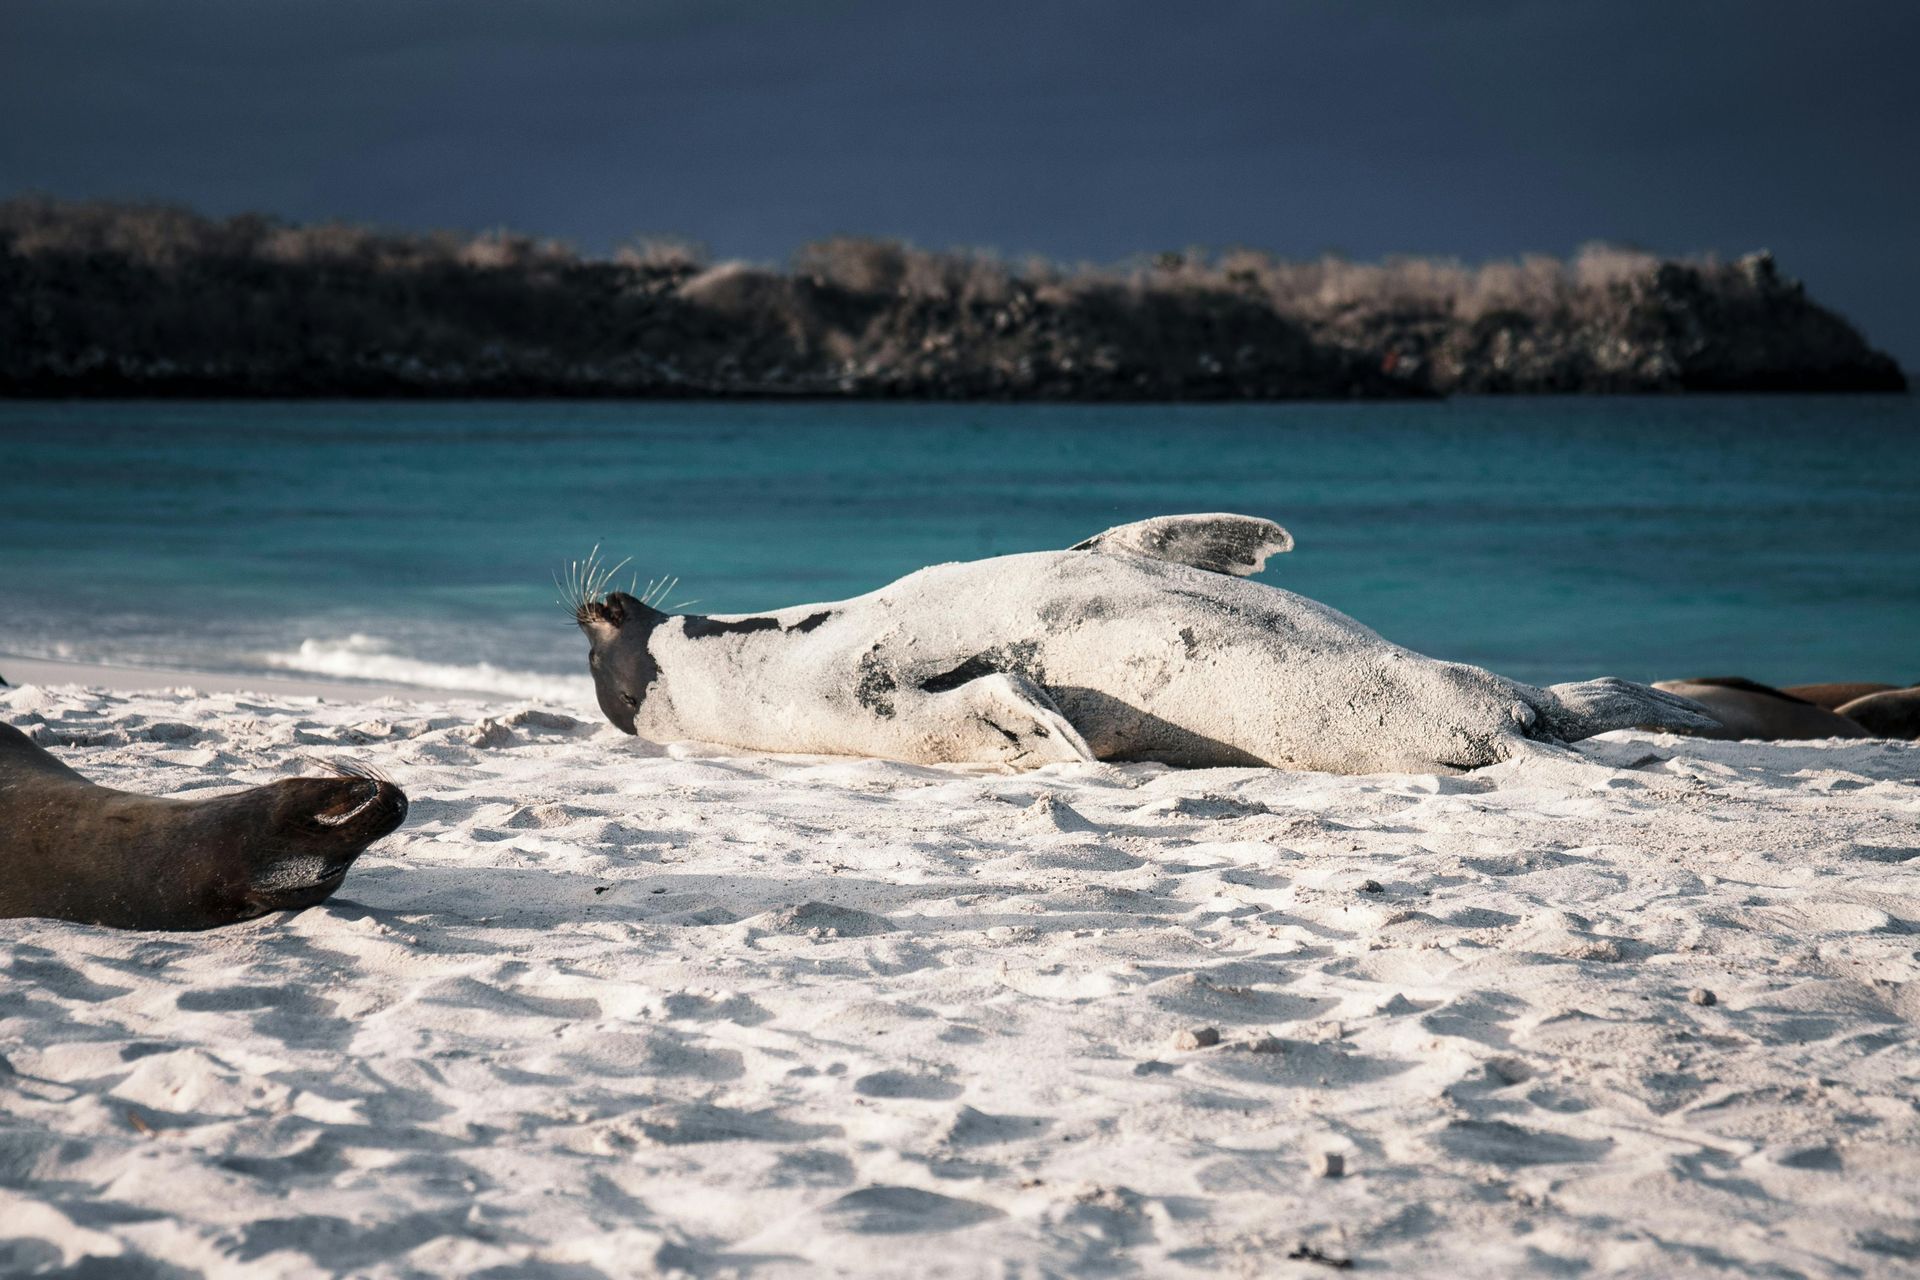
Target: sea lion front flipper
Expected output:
[1003,718]
[1582,709]
[1218,542]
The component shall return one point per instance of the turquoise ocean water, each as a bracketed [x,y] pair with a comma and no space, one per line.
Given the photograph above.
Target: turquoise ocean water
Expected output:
[1548,539]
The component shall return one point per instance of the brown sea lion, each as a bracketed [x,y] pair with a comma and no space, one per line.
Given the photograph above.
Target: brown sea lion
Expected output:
[1893,713]
[1832,695]
[1748,709]
[73,850]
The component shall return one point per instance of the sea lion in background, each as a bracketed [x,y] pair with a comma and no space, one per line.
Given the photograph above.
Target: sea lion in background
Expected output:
[1747,709]
[1892,713]
[1138,644]
[1831,696]
[73,850]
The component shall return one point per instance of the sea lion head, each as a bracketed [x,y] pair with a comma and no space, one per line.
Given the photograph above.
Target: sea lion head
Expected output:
[306,833]
[75,850]
[619,627]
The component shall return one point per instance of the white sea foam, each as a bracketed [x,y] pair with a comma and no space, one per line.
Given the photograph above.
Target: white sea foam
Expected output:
[362,657]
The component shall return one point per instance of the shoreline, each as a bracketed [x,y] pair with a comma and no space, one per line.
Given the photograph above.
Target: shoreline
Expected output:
[53,673]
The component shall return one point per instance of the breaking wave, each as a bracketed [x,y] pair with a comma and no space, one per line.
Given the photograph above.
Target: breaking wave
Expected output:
[360,657]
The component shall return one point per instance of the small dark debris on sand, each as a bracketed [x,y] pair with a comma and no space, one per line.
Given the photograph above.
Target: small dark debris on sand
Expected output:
[1304,1252]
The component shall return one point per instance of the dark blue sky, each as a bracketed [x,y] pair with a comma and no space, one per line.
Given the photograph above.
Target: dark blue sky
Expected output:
[1078,130]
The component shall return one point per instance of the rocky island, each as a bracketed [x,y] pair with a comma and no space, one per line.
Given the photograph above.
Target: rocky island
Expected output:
[137,300]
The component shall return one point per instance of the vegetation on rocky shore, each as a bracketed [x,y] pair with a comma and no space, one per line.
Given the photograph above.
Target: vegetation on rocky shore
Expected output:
[104,299]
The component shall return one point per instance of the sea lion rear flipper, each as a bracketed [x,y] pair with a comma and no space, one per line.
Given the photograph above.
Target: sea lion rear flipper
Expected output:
[1217,542]
[1570,712]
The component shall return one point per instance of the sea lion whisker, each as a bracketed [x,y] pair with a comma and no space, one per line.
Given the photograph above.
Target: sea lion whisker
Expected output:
[348,768]
[658,589]
[600,577]
[586,582]
[569,588]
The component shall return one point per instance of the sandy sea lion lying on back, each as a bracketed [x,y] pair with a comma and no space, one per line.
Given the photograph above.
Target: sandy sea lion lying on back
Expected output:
[71,850]
[1142,643]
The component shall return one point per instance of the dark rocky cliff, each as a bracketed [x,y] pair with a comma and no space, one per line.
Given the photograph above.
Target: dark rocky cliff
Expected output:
[126,300]
[1666,326]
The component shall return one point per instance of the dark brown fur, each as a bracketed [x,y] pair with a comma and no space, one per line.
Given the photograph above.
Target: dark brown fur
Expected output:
[73,850]
[1832,696]
[1747,709]
[1894,713]
[1745,685]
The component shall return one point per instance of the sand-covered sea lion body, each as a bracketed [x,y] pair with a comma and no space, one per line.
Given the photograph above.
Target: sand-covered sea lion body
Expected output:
[1138,644]
[1748,709]
[73,850]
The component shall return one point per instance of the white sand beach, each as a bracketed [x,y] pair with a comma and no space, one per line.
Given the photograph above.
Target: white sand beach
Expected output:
[605,1008]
